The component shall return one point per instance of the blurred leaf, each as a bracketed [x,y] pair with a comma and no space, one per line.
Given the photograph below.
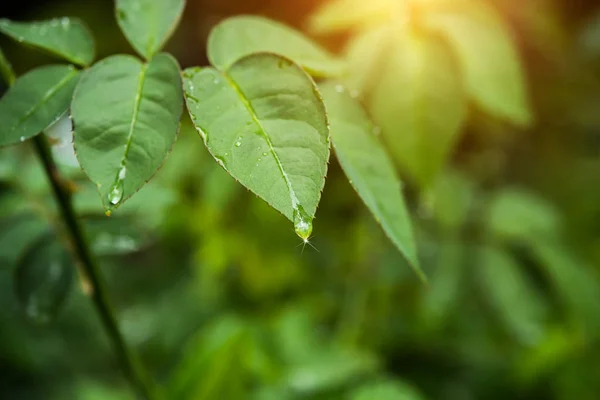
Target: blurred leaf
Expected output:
[366,53]
[240,36]
[65,37]
[35,101]
[150,208]
[329,370]
[340,15]
[575,281]
[487,55]
[17,233]
[43,279]
[213,364]
[452,197]
[114,236]
[96,391]
[512,295]
[517,215]
[410,103]
[148,24]
[369,169]
[122,147]
[265,123]
[446,284]
[390,390]
[6,70]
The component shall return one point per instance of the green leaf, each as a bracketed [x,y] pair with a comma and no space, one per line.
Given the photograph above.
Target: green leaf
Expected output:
[126,117]
[575,280]
[391,390]
[35,101]
[67,38]
[451,199]
[516,215]
[366,53]
[241,36]
[331,369]
[445,284]
[419,104]
[369,168]
[264,121]
[6,70]
[493,73]
[512,295]
[148,24]
[43,278]
[341,15]
[211,360]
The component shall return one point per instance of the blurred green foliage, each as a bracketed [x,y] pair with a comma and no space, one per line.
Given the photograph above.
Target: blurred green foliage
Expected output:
[211,287]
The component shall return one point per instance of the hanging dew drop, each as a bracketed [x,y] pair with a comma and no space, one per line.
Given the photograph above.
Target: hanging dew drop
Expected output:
[116,193]
[302,223]
[339,88]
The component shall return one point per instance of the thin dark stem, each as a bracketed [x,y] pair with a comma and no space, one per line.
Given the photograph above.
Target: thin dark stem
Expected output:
[128,360]
[130,364]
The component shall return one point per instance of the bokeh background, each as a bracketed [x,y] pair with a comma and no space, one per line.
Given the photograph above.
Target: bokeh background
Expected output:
[212,290]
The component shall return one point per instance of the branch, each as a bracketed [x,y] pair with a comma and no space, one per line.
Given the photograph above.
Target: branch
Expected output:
[129,362]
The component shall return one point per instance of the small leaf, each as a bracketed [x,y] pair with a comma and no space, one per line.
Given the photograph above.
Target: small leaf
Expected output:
[148,24]
[419,104]
[488,57]
[369,168]
[241,36]
[126,116]
[512,295]
[43,278]
[391,390]
[67,38]
[35,101]
[264,121]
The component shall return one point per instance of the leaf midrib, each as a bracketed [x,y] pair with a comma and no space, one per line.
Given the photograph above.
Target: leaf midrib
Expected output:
[136,111]
[263,133]
[44,99]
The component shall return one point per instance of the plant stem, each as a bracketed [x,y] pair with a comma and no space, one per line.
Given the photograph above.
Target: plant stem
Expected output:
[129,361]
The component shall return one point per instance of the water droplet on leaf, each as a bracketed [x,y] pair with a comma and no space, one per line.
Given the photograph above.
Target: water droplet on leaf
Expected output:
[116,193]
[339,88]
[302,223]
